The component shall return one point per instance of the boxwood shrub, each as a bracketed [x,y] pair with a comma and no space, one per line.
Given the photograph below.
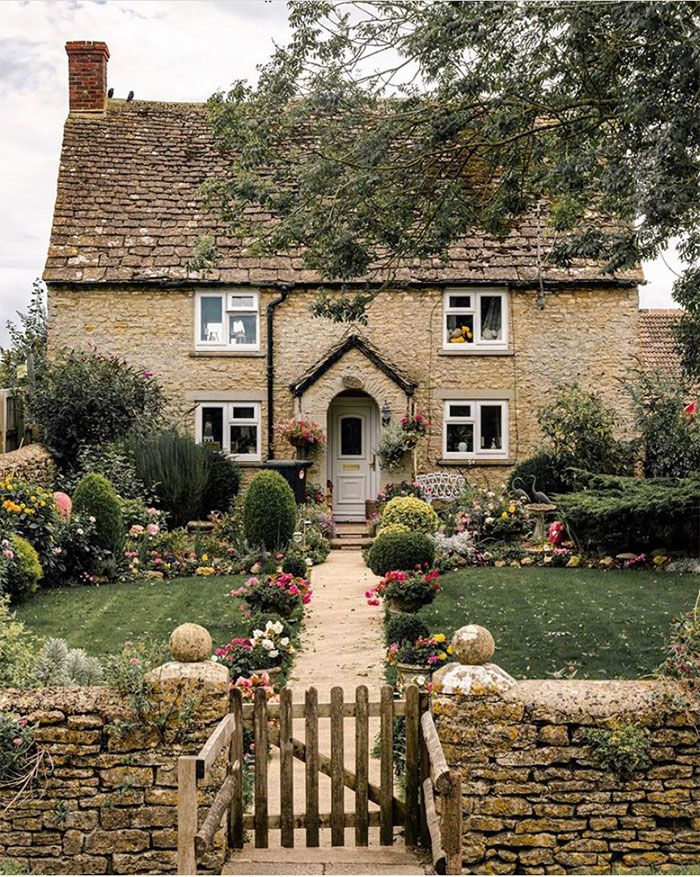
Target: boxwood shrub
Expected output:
[404,627]
[269,511]
[617,513]
[411,512]
[23,572]
[95,497]
[397,550]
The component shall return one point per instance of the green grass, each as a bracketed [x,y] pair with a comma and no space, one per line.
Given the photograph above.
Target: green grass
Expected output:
[610,623]
[101,618]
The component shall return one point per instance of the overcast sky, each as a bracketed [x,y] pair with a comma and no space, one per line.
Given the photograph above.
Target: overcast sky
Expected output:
[162,50]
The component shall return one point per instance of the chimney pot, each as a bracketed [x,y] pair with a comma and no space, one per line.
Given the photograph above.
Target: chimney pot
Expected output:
[87,75]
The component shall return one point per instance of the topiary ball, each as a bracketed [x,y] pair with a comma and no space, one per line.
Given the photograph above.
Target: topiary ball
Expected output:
[269,511]
[95,497]
[404,627]
[404,551]
[23,571]
[414,513]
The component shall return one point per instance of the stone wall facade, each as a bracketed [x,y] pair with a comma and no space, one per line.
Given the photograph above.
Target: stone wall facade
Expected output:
[108,804]
[29,463]
[536,799]
[589,334]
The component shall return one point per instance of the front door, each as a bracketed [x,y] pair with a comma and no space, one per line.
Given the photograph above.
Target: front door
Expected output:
[352,454]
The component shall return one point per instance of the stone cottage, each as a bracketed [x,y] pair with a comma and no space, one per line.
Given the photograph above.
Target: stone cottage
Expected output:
[465,342]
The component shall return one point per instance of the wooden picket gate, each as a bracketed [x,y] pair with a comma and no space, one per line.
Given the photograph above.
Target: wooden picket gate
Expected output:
[427,777]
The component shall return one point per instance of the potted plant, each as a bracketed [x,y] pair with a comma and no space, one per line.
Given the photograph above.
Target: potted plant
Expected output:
[416,661]
[405,591]
[305,436]
[281,593]
[415,426]
[275,645]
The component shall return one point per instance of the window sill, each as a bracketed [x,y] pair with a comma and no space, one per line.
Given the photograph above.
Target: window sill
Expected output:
[476,351]
[201,354]
[478,461]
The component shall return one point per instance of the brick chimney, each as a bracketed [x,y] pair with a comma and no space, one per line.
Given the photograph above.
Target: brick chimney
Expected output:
[87,75]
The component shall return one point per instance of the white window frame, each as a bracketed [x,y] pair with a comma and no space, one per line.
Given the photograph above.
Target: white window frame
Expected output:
[478,453]
[475,310]
[228,309]
[227,411]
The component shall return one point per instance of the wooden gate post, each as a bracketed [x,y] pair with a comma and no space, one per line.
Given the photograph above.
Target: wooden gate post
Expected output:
[235,813]
[452,831]
[386,808]
[261,810]
[412,764]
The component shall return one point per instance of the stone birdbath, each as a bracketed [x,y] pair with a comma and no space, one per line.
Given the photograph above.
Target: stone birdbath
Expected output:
[539,510]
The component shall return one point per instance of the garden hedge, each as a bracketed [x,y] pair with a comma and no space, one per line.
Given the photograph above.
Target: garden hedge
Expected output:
[618,514]
[269,511]
[223,481]
[397,550]
[95,497]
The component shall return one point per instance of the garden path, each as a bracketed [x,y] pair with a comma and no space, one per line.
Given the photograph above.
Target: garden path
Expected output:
[341,644]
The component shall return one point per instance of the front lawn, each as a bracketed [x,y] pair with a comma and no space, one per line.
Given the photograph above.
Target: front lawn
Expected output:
[101,618]
[610,624]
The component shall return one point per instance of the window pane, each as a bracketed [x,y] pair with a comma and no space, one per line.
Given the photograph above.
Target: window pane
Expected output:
[243,329]
[211,318]
[243,412]
[351,437]
[460,438]
[212,426]
[491,318]
[460,328]
[460,301]
[244,439]
[458,410]
[243,302]
[491,427]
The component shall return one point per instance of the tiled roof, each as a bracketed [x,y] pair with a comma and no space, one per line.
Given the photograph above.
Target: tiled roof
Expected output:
[128,210]
[657,349]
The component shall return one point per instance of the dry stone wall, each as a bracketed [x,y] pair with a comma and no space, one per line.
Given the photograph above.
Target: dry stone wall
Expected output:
[536,798]
[108,804]
[29,463]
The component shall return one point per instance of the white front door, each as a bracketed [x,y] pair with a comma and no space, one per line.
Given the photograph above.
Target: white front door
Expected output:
[352,453]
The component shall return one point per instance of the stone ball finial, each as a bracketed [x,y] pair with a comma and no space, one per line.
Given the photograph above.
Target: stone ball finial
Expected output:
[473,644]
[190,643]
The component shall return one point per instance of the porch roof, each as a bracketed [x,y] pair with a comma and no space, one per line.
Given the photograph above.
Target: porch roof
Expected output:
[352,342]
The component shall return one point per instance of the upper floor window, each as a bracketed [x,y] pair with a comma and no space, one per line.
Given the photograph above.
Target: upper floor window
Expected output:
[475,429]
[475,319]
[227,320]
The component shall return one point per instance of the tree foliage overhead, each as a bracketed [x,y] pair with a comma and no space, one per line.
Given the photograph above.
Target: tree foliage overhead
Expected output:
[388,130]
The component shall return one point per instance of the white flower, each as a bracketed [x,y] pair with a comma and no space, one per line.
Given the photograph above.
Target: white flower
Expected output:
[257,634]
[276,626]
[488,520]
[273,653]
[284,641]
[268,645]
[92,519]
[80,531]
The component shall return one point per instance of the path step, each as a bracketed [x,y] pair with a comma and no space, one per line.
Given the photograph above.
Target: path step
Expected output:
[326,860]
[354,543]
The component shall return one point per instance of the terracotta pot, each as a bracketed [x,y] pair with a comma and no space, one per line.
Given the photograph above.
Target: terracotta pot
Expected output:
[402,607]
[408,673]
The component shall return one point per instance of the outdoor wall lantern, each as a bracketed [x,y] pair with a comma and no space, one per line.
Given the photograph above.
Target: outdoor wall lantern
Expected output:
[386,414]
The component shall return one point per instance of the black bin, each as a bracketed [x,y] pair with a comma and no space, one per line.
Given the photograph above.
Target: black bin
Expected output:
[294,472]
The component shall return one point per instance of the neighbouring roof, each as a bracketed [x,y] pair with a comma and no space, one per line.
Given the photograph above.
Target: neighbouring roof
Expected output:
[352,342]
[657,348]
[128,210]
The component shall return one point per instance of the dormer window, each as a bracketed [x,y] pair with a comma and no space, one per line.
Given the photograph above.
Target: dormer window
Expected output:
[227,320]
[475,320]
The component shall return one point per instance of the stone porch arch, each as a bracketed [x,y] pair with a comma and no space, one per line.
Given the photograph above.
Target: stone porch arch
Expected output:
[352,365]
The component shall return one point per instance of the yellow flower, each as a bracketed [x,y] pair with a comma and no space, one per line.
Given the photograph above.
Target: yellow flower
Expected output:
[442,656]
[450,649]
[439,637]
[504,516]
[205,557]
[32,498]
[511,509]
[42,503]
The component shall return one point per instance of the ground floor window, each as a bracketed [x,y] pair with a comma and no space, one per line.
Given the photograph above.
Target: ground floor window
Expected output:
[475,429]
[232,426]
